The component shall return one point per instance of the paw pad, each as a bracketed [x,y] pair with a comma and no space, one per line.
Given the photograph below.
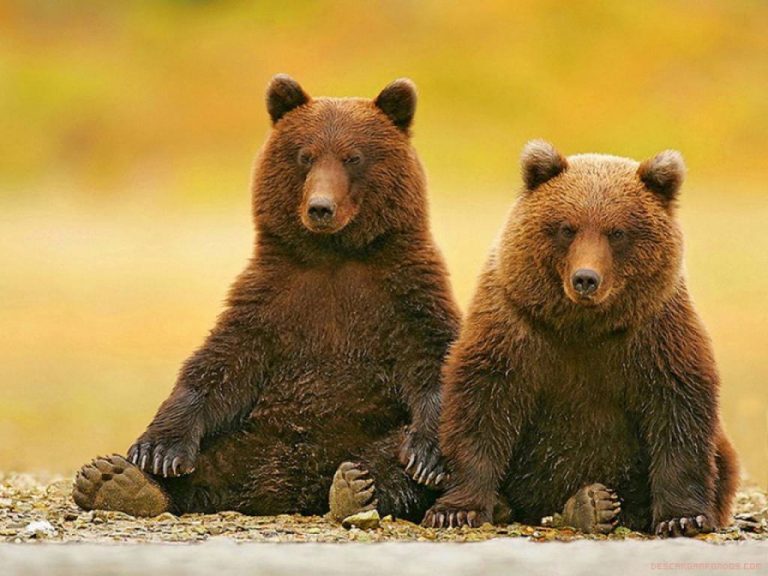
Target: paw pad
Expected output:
[594,509]
[352,491]
[112,483]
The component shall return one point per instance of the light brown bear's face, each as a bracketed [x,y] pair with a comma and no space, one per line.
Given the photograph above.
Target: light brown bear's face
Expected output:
[338,167]
[594,235]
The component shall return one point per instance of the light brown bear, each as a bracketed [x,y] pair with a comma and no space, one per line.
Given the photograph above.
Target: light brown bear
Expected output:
[582,379]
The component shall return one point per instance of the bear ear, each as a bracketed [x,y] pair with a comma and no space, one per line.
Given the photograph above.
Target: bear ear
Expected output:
[663,174]
[398,101]
[540,162]
[283,95]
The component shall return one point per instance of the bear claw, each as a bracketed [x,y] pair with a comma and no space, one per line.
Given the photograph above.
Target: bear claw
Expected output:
[422,460]
[352,491]
[593,509]
[176,459]
[113,483]
[440,516]
[684,526]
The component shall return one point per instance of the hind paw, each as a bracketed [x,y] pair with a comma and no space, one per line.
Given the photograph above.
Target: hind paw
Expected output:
[594,509]
[352,491]
[113,483]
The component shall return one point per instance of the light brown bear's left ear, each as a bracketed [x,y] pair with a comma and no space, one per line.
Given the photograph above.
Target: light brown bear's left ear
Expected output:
[398,101]
[663,174]
[540,161]
[283,95]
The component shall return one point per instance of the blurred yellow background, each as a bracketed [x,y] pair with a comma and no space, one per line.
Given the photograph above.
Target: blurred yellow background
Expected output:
[129,131]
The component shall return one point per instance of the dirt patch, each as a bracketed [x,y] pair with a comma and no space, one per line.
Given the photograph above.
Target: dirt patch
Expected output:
[35,509]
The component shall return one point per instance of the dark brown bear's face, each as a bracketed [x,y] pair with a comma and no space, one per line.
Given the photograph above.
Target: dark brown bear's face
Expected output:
[339,171]
[593,241]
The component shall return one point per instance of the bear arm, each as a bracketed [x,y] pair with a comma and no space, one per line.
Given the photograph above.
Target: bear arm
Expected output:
[484,410]
[418,376]
[217,387]
[679,429]
[430,320]
[679,419]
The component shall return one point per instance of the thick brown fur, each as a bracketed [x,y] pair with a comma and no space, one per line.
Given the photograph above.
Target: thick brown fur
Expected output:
[331,343]
[552,386]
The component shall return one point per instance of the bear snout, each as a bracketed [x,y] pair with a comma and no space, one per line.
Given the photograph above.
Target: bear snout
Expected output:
[586,282]
[327,205]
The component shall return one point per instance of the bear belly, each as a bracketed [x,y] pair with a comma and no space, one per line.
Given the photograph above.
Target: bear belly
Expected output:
[572,441]
[356,401]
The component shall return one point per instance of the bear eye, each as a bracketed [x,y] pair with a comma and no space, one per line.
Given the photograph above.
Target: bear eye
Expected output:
[353,159]
[305,158]
[616,235]
[567,232]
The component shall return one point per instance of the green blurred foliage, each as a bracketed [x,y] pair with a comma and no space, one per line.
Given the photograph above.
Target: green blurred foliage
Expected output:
[130,129]
[97,95]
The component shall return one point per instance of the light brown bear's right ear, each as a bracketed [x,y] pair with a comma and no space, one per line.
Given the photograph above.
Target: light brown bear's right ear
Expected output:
[283,95]
[540,162]
[398,101]
[663,174]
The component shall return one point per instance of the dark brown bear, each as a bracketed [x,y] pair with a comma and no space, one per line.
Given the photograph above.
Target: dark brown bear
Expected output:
[583,380]
[330,344]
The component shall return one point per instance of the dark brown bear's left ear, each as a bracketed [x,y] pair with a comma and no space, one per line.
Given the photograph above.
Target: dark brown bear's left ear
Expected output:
[283,95]
[663,174]
[398,101]
[540,161]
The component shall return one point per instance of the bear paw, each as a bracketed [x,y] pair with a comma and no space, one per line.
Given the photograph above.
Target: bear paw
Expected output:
[113,483]
[164,457]
[422,459]
[352,491]
[684,526]
[594,509]
[442,516]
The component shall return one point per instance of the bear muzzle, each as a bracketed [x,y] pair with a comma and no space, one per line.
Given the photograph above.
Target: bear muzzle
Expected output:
[327,206]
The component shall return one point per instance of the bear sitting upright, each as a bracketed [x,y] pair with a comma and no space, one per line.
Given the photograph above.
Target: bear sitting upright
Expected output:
[582,379]
[327,357]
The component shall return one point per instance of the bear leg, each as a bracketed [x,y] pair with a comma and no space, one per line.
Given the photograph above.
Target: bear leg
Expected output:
[113,483]
[594,509]
[727,480]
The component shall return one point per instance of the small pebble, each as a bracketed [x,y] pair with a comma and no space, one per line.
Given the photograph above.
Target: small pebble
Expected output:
[39,529]
[368,520]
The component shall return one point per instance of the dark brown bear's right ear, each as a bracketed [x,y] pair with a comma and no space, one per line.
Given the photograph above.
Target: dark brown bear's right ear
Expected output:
[541,162]
[398,101]
[663,174]
[283,95]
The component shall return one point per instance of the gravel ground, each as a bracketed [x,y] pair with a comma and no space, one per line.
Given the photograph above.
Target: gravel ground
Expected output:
[34,510]
[42,532]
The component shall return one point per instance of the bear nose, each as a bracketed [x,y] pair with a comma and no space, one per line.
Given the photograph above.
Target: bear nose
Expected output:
[321,210]
[585,281]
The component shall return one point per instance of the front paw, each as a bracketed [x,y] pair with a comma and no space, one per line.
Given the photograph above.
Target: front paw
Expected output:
[684,526]
[442,516]
[422,459]
[167,457]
